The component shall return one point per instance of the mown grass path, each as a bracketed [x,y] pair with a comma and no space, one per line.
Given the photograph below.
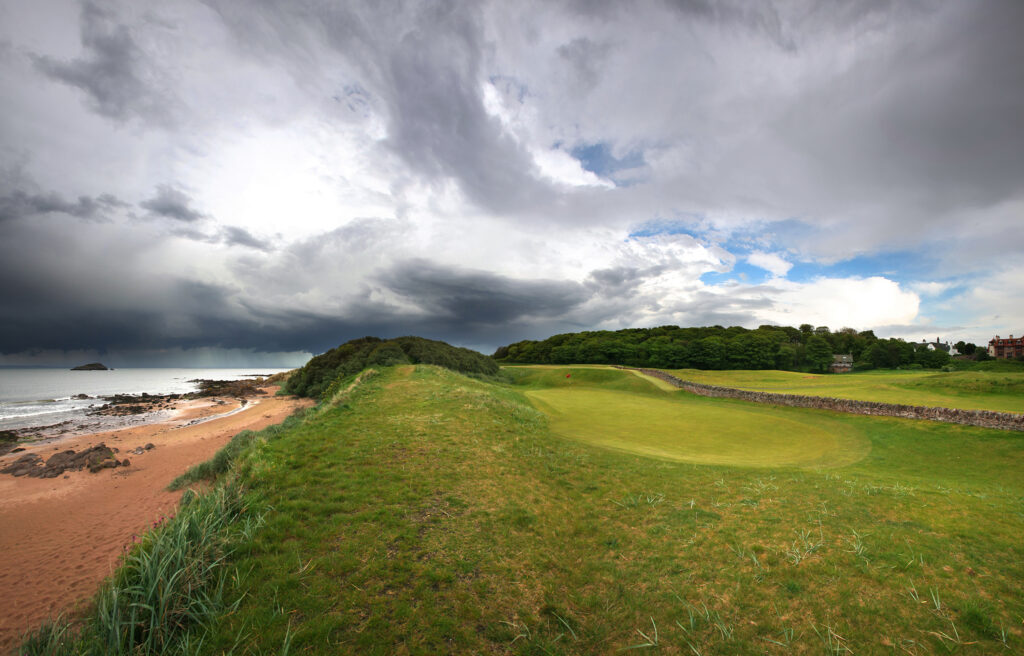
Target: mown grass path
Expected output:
[430,513]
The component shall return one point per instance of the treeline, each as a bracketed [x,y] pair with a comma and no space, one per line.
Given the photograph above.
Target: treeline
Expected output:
[352,357]
[806,348]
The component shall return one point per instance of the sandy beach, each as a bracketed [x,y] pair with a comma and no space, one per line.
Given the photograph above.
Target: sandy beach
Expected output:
[61,537]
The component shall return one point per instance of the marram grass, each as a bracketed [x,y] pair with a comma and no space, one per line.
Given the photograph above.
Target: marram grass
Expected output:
[170,586]
[167,587]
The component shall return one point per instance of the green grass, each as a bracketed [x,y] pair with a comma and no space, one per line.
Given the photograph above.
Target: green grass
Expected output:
[167,589]
[970,390]
[653,422]
[225,457]
[432,513]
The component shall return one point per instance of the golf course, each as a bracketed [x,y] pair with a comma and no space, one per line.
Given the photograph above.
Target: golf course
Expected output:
[968,390]
[591,510]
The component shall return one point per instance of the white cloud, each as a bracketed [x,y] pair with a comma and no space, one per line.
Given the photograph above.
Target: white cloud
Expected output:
[994,303]
[770,262]
[930,288]
[862,303]
[561,167]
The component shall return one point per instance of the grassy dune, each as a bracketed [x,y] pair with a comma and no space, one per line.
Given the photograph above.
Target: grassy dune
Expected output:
[430,513]
[970,390]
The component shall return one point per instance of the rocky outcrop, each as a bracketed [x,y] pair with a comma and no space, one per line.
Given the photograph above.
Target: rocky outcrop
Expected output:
[8,441]
[120,405]
[238,389]
[96,458]
[982,418]
[92,366]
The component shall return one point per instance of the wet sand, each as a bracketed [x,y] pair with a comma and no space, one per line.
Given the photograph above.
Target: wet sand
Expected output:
[59,538]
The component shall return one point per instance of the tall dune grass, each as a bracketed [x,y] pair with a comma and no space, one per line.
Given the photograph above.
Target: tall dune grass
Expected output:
[171,584]
[168,587]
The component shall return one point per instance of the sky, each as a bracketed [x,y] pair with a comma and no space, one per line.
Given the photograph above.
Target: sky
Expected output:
[229,183]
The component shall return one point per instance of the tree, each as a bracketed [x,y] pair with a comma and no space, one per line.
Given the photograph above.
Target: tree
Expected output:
[785,357]
[930,359]
[708,353]
[819,352]
[965,348]
[751,351]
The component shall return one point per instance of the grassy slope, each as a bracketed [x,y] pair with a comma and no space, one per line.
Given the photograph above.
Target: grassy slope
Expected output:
[1001,391]
[437,514]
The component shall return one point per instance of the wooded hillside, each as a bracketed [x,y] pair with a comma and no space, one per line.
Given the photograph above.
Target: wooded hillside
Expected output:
[806,348]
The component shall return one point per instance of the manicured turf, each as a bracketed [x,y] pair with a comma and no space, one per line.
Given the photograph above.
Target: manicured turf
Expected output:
[430,513]
[682,427]
[972,390]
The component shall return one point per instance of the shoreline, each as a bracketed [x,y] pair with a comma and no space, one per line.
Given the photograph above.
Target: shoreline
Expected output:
[62,536]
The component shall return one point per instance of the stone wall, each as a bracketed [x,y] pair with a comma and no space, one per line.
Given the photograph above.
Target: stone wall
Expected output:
[983,418]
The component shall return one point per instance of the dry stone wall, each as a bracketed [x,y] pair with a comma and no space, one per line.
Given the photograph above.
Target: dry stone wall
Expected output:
[982,418]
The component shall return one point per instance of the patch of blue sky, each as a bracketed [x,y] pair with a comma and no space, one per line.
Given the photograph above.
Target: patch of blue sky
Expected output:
[742,272]
[942,317]
[903,267]
[906,267]
[599,160]
[670,227]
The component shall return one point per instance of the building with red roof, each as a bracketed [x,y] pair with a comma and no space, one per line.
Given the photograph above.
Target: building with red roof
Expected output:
[1006,347]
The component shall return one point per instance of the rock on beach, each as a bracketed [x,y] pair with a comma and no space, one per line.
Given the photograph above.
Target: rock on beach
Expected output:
[96,458]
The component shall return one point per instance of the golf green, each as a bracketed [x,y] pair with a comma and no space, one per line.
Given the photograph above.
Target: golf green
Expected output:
[681,428]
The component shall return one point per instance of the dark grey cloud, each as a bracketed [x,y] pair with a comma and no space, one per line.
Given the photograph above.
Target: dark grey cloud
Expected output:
[939,120]
[20,204]
[438,123]
[480,297]
[228,235]
[423,64]
[587,59]
[172,203]
[758,17]
[110,72]
[235,236]
[621,280]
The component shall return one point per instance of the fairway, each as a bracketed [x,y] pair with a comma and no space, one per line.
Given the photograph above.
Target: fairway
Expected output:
[643,420]
[998,391]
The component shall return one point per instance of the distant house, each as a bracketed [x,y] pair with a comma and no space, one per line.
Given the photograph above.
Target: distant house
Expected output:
[842,363]
[938,345]
[1006,347]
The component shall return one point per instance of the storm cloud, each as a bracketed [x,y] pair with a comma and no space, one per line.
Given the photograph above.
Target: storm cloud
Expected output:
[267,177]
[171,203]
[110,70]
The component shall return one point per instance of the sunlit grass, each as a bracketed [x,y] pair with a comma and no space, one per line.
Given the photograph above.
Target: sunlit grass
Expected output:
[437,514]
[685,428]
[972,390]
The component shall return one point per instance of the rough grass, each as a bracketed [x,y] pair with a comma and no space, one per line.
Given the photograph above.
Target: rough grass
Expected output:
[969,390]
[432,513]
[222,461]
[167,589]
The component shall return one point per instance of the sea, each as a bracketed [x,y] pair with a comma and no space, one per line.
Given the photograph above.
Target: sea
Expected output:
[32,398]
